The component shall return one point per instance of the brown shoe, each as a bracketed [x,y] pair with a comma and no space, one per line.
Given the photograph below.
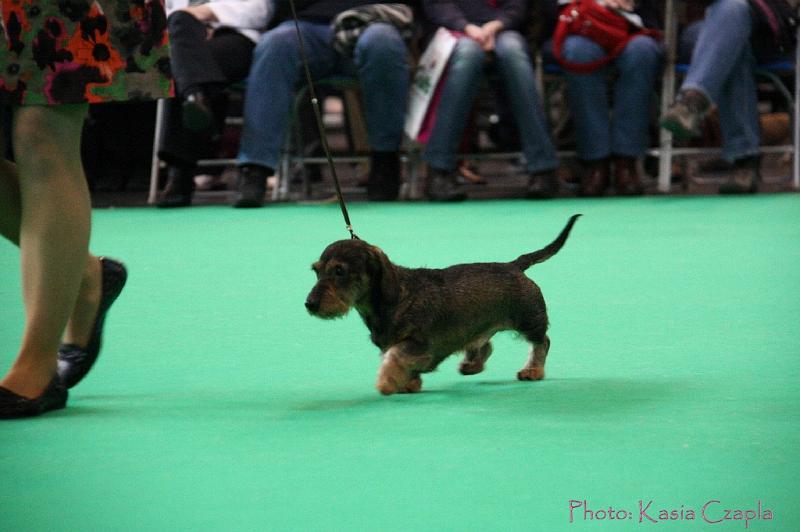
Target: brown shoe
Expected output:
[744,178]
[594,178]
[684,117]
[627,180]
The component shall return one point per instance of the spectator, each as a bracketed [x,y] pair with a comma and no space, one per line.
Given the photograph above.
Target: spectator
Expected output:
[489,33]
[60,56]
[614,133]
[379,61]
[211,47]
[723,49]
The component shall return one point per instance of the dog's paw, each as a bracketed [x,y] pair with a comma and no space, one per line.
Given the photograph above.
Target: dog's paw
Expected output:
[531,374]
[386,386]
[412,386]
[470,367]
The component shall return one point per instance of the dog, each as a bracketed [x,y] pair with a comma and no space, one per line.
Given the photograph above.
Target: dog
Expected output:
[418,316]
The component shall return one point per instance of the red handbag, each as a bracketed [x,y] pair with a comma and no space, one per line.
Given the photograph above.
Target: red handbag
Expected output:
[594,21]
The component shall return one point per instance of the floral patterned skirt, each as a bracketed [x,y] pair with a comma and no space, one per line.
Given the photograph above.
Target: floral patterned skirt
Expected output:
[75,51]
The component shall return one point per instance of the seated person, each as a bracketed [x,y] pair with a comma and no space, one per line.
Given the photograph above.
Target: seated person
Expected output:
[725,48]
[211,47]
[615,133]
[380,62]
[488,31]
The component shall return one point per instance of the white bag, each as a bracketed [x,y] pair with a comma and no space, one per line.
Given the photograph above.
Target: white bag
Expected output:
[429,71]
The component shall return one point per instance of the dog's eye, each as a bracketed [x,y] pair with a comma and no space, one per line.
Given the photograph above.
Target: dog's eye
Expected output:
[338,271]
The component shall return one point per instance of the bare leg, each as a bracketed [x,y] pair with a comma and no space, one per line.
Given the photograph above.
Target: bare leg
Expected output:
[81,321]
[54,224]
[475,359]
[534,367]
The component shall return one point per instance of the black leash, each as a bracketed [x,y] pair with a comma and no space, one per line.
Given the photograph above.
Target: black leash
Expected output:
[320,125]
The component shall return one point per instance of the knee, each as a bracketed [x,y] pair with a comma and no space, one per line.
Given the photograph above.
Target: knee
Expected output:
[48,133]
[277,43]
[468,54]
[511,44]
[733,8]
[578,49]
[179,21]
[642,53]
[380,42]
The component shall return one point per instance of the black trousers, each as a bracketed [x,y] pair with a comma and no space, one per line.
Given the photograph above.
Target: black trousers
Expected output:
[199,63]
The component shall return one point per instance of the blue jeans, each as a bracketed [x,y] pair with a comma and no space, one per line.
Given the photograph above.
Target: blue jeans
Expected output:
[380,63]
[461,88]
[601,131]
[722,68]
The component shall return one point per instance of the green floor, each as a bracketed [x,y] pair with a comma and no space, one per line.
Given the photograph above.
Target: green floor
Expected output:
[219,404]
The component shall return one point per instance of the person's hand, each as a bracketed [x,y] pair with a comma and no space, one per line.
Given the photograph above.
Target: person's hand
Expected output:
[201,12]
[475,33]
[490,31]
[625,5]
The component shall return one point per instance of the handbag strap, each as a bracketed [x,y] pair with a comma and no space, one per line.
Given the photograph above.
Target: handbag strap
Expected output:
[562,32]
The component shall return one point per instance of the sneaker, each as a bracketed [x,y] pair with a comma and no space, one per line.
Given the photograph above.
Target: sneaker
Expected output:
[251,186]
[685,116]
[542,185]
[745,176]
[442,186]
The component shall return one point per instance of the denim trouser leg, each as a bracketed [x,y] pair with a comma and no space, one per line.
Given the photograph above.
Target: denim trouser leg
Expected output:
[587,96]
[274,75]
[722,68]
[381,58]
[638,67]
[599,131]
[516,70]
[464,75]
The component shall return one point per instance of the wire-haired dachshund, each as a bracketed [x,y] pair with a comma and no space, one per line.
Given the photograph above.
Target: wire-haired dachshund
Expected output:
[419,316]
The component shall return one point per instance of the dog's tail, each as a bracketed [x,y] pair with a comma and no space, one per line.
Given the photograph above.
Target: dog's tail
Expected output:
[529,259]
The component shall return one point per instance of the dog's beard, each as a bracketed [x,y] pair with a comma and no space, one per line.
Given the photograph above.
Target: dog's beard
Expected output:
[331,306]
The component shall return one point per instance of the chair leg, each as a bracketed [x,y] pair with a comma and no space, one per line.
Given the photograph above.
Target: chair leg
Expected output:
[796,121]
[154,162]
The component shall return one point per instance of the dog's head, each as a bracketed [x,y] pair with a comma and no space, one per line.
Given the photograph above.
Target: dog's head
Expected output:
[350,273]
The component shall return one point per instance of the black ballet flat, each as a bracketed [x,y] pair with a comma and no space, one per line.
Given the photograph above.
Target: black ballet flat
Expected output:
[74,362]
[13,406]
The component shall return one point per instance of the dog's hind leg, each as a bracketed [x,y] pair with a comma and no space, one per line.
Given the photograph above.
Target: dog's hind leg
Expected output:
[400,369]
[534,367]
[475,358]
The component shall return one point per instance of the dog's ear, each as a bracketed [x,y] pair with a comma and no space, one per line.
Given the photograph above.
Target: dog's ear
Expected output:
[384,275]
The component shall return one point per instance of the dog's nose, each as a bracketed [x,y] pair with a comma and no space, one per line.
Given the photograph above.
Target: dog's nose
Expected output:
[311,305]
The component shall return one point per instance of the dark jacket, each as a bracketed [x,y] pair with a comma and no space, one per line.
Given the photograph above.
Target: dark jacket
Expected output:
[456,14]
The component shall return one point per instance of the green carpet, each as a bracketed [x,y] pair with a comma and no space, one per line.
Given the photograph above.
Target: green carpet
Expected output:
[219,404]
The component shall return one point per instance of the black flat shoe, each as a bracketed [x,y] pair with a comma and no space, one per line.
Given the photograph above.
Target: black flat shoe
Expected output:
[74,362]
[13,406]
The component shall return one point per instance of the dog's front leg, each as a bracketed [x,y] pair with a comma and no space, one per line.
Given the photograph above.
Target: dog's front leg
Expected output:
[400,369]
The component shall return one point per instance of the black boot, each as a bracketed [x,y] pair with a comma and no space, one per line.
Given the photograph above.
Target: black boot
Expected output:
[251,185]
[179,188]
[442,185]
[384,176]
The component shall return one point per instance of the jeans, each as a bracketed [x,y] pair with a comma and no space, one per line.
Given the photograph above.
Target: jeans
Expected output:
[379,62]
[600,130]
[461,88]
[722,68]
